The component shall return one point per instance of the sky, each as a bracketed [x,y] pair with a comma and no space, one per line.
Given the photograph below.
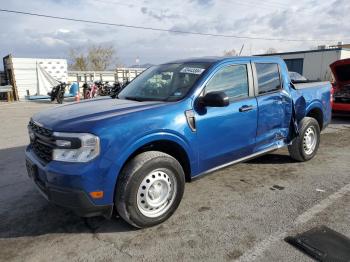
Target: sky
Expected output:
[28,36]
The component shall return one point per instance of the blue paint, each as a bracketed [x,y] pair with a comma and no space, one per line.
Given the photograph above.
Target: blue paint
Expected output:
[222,134]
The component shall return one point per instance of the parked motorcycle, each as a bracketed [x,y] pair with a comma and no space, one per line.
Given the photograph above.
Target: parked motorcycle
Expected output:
[85,88]
[117,87]
[57,93]
[90,90]
[104,89]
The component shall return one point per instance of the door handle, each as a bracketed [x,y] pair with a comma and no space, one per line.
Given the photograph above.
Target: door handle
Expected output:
[246,108]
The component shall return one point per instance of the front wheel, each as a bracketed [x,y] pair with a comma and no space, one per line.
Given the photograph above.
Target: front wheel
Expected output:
[60,97]
[305,146]
[149,189]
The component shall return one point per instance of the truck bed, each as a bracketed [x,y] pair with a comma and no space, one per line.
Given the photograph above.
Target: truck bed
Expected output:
[317,93]
[310,84]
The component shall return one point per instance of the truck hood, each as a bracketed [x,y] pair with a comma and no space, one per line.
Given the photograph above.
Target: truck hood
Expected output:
[341,71]
[78,116]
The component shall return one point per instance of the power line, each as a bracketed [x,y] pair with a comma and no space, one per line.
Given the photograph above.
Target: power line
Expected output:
[162,29]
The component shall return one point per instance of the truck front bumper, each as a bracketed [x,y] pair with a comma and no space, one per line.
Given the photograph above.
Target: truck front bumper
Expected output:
[71,197]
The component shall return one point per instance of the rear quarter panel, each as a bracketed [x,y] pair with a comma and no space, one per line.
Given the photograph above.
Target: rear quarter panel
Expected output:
[316,95]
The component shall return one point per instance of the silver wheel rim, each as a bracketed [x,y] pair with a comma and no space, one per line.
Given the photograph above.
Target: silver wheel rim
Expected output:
[156,194]
[310,140]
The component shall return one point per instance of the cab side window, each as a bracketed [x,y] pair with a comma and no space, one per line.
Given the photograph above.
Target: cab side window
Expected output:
[233,80]
[268,77]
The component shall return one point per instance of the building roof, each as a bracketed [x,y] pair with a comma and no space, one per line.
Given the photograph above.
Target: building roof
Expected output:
[209,59]
[307,51]
[212,60]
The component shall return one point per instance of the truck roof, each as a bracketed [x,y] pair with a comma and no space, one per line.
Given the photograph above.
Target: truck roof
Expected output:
[216,59]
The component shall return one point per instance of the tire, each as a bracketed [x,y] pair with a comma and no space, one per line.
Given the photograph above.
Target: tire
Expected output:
[60,98]
[304,147]
[149,175]
[86,93]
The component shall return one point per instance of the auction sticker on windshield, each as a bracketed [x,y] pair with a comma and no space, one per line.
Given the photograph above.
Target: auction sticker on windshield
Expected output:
[192,70]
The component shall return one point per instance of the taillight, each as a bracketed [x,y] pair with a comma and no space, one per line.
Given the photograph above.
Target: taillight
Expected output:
[332,97]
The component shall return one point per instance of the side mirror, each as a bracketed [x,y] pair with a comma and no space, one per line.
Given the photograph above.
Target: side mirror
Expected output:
[215,99]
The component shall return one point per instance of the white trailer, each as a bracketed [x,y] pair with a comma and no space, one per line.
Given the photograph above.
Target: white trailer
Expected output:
[34,76]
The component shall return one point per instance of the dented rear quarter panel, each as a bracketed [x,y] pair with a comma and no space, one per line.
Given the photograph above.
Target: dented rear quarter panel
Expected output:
[314,95]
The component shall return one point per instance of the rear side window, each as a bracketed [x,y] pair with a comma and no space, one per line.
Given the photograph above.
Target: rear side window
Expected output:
[268,77]
[233,80]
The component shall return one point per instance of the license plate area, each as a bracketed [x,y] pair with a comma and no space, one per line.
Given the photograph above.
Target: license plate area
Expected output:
[33,173]
[32,170]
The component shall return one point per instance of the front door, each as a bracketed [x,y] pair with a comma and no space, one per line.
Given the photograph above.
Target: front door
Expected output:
[225,134]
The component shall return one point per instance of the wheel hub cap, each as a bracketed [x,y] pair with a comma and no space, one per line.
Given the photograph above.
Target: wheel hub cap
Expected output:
[310,140]
[155,194]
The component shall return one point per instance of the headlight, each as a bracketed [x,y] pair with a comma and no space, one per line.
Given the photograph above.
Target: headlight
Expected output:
[75,147]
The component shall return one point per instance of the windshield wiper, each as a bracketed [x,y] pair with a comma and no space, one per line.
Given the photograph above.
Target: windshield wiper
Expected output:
[135,98]
[143,99]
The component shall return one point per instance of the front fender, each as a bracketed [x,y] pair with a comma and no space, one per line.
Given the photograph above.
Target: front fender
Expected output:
[163,135]
[119,157]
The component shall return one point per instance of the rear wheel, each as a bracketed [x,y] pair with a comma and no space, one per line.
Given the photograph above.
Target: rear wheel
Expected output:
[149,189]
[306,145]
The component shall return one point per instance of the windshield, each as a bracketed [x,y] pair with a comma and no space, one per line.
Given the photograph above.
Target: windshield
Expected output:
[168,82]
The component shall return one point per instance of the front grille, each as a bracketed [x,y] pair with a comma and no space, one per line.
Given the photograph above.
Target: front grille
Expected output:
[43,143]
[42,151]
[39,130]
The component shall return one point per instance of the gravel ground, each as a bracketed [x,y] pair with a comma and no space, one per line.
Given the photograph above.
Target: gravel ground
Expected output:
[242,212]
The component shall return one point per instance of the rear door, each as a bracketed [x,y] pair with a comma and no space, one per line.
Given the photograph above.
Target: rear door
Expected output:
[274,105]
[227,133]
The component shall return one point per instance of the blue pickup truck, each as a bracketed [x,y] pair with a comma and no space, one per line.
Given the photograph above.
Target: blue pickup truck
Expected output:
[175,122]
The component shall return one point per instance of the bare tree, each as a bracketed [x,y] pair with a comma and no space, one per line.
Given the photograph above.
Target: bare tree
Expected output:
[77,60]
[101,57]
[94,58]
[231,52]
[120,65]
[271,50]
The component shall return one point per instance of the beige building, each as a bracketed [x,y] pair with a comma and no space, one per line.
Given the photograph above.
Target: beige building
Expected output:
[314,64]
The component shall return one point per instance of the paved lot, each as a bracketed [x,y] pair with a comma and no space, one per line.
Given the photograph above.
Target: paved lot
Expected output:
[242,212]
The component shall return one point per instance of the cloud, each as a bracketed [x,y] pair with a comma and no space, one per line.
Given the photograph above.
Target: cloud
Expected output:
[339,8]
[52,42]
[34,36]
[63,30]
[159,15]
[203,2]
